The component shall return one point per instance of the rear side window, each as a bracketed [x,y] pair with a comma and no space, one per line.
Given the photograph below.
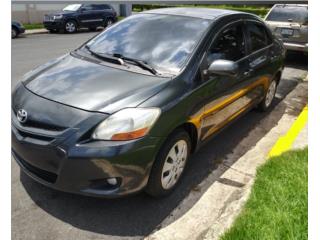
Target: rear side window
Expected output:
[101,6]
[229,45]
[258,36]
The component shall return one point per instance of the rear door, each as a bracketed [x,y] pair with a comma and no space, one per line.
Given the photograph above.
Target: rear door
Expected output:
[88,16]
[261,55]
[100,13]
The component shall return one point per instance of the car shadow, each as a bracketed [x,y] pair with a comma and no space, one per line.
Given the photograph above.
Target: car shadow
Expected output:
[139,215]
[296,60]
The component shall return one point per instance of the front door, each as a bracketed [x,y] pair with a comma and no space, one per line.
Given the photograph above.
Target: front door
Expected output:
[227,96]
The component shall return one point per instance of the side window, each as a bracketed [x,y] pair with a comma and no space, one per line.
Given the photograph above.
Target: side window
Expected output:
[100,6]
[87,7]
[258,36]
[229,45]
[106,6]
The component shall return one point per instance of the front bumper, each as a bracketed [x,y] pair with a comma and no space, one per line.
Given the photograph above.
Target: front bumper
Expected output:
[22,30]
[301,47]
[85,168]
[52,147]
[53,25]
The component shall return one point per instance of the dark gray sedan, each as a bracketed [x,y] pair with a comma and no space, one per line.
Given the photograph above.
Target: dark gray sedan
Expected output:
[124,111]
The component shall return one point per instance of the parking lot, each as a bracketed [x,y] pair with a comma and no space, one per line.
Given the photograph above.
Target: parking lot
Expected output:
[42,213]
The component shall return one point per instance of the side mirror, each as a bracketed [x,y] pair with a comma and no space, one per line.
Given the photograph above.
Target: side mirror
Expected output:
[223,67]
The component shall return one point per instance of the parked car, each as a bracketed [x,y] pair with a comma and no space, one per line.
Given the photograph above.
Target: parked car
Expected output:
[289,22]
[76,16]
[124,111]
[16,29]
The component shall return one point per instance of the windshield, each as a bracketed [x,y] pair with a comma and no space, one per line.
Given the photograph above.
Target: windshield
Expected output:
[163,41]
[72,7]
[288,13]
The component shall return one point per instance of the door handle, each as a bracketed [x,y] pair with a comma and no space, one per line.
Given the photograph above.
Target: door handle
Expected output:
[248,72]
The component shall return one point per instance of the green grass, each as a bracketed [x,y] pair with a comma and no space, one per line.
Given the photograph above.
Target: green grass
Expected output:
[258,10]
[278,205]
[29,26]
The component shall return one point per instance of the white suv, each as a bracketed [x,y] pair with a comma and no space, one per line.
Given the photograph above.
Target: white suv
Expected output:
[289,22]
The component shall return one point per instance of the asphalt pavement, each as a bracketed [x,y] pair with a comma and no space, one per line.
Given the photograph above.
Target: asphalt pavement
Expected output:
[42,213]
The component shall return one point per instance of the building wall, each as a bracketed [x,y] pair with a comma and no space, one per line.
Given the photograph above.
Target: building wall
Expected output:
[33,13]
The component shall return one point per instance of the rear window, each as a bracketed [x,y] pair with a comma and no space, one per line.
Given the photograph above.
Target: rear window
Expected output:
[280,13]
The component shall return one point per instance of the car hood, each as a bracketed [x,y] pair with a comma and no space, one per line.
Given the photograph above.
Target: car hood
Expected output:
[91,86]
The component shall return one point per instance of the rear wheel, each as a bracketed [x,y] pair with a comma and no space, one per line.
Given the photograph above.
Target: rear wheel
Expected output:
[169,164]
[108,22]
[70,26]
[267,101]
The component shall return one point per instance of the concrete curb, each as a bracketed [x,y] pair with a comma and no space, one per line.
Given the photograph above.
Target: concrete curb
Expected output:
[36,31]
[209,212]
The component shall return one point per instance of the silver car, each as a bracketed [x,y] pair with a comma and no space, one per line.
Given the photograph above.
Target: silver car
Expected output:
[289,22]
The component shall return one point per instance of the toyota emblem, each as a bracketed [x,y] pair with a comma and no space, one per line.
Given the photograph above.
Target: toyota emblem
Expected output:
[22,115]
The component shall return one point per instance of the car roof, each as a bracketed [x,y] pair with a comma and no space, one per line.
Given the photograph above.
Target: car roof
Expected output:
[206,13]
[291,5]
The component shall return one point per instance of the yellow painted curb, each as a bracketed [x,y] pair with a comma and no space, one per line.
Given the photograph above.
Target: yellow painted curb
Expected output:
[285,142]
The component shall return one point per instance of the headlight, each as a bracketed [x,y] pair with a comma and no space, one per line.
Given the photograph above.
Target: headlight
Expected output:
[127,124]
[57,17]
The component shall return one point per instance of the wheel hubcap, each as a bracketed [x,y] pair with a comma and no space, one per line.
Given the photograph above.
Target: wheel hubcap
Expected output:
[174,164]
[13,33]
[270,94]
[109,23]
[70,27]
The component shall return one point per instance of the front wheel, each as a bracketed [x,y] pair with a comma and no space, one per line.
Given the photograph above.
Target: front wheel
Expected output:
[70,26]
[169,164]
[271,92]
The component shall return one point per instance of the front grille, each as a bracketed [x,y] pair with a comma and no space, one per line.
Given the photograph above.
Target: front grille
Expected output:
[32,123]
[40,173]
[47,18]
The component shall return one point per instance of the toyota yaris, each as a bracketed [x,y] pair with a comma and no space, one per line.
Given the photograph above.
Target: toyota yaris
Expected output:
[124,111]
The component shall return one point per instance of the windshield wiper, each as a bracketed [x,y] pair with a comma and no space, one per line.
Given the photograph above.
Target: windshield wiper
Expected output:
[138,62]
[105,57]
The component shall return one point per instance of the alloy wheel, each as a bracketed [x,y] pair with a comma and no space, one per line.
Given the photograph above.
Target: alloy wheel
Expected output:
[109,22]
[70,27]
[174,164]
[270,93]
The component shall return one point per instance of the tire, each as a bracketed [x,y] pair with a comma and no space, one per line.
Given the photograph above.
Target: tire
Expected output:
[159,183]
[92,29]
[266,103]
[70,26]
[108,22]
[14,32]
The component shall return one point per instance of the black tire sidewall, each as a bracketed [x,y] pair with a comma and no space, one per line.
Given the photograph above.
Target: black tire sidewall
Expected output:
[154,186]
